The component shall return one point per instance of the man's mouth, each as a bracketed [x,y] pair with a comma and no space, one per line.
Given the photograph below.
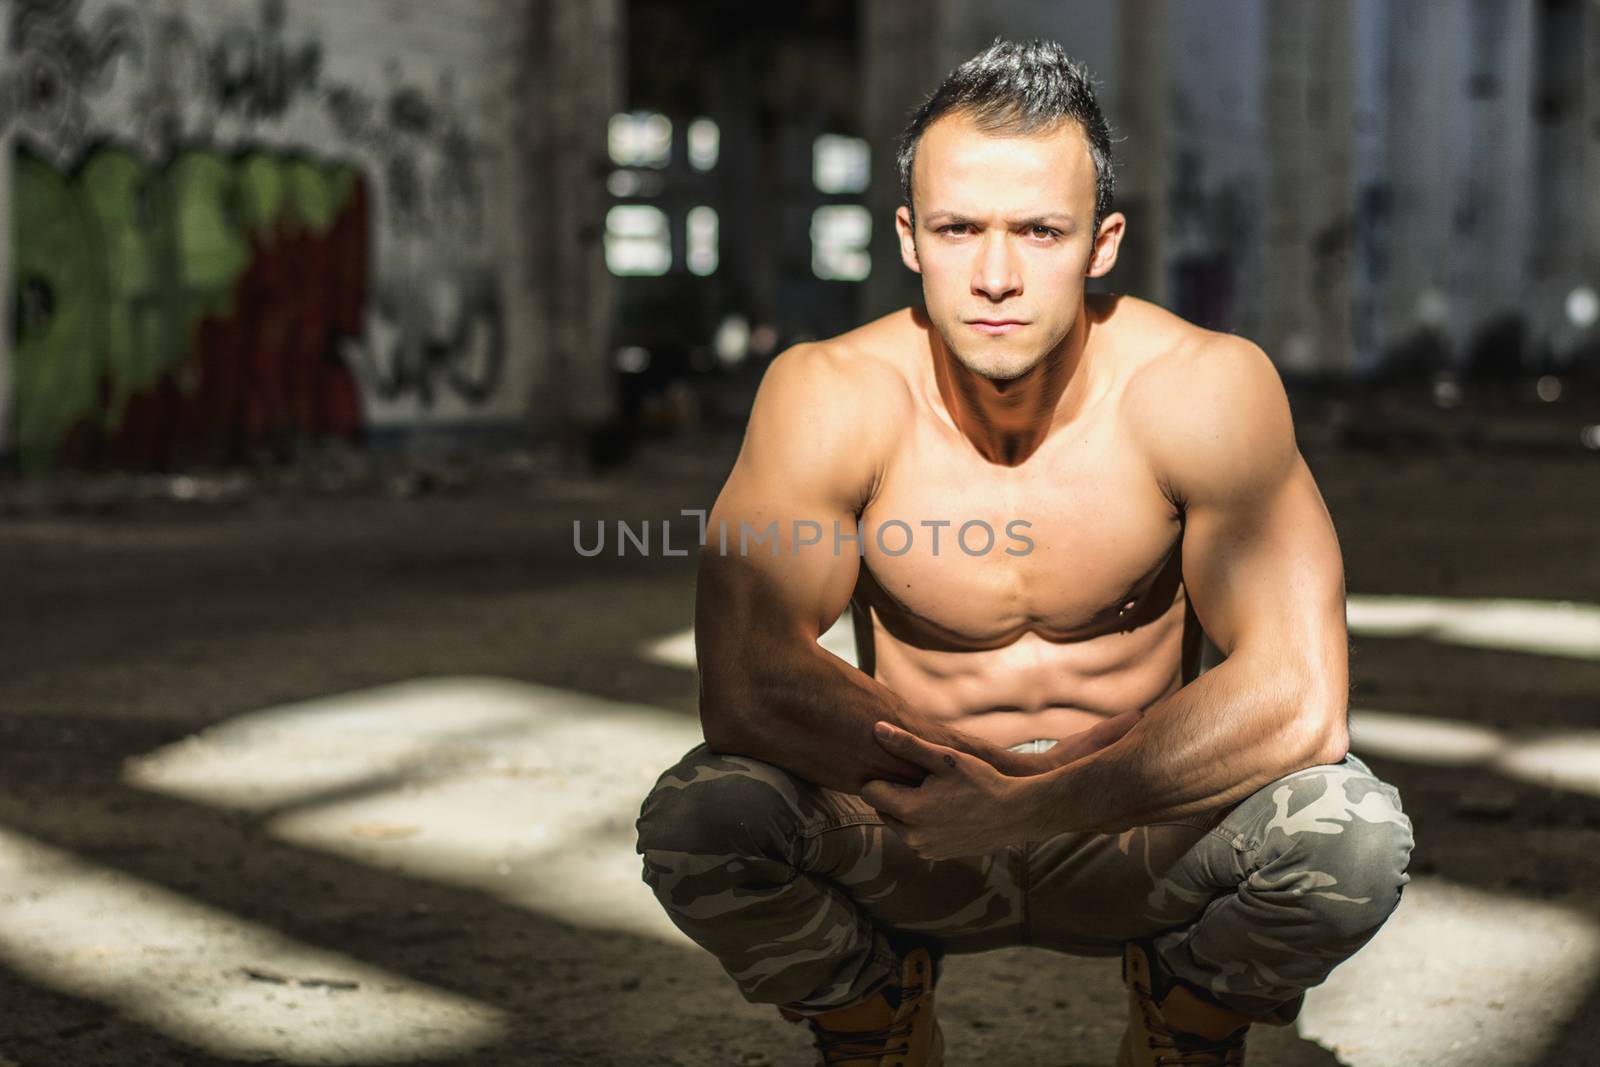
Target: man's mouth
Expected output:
[996,326]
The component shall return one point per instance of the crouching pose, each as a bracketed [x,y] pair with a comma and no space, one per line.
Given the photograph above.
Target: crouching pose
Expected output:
[1035,502]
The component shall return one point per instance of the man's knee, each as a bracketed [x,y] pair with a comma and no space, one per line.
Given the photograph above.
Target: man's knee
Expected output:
[1363,870]
[1344,853]
[709,803]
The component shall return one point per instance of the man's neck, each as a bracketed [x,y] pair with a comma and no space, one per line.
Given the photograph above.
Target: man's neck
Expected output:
[1007,421]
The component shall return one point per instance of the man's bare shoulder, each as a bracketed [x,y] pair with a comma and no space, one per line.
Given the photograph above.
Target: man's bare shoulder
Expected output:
[860,374]
[1142,333]
[827,412]
[1208,405]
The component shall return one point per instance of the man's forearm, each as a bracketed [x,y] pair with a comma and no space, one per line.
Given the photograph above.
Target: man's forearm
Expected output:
[1086,742]
[812,715]
[1212,743]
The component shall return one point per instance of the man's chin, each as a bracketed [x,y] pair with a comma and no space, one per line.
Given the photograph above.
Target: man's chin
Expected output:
[997,368]
[999,360]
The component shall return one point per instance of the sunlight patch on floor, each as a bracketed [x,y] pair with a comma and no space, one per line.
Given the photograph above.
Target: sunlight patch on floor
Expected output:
[525,792]
[1424,739]
[1546,627]
[331,745]
[1458,975]
[1559,759]
[182,968]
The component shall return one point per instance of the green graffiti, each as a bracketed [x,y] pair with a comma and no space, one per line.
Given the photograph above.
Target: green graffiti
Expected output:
[117,264]
[111,186]
[292,194]
[61,278]
[261,191]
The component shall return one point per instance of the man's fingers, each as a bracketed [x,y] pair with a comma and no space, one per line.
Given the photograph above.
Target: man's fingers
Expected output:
[887,797]
[901,830]
[908,746]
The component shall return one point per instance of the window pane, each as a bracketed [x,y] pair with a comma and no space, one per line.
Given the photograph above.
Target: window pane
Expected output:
[839,237]
[840,164]
[702,242]
[640,139]
[637,240]
[704,141]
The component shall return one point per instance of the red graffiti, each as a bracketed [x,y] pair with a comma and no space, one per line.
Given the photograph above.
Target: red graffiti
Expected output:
[270,374]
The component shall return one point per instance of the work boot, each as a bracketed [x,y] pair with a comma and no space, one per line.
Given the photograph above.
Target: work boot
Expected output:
[1171,1024]
[894,1027]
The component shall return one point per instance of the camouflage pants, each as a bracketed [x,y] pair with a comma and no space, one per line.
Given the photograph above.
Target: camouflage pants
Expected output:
[806,899]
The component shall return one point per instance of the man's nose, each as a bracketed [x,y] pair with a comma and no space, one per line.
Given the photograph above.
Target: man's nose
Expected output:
[996,275]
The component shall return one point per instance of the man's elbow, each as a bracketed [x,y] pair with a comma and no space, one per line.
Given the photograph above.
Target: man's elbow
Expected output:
[1312,714]
[1335,741]
[1315,696]
[724,707]
[722,733]
[1325,728]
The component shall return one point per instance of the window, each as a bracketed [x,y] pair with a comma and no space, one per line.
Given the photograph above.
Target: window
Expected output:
[840,164]
[640,139]
[1583,307]
[702,240]
[839,237]
[638,240]
[704,141]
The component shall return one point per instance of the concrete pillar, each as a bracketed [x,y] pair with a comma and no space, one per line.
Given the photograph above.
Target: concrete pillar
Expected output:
[1590,257]
[1310,196]
[907,48]
[582,49]
[1586,337]
[1424,82]
[747,261]
[7,303]
[1288,334]
[1369,271]
[1141,152]
[1330,124]
[1495,218]
[1566,218]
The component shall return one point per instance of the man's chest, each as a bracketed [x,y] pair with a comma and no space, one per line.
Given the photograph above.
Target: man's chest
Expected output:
[969,554]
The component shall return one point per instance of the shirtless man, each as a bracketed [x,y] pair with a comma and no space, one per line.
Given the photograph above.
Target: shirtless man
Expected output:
[843,828]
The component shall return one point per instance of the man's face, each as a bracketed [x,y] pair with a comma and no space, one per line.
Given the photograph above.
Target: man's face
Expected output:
[1003,234]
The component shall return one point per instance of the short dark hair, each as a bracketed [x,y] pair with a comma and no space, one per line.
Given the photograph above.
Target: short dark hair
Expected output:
[1021,88]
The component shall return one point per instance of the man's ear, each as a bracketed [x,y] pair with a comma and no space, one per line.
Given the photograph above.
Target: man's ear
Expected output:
[908,243]
[1106,244]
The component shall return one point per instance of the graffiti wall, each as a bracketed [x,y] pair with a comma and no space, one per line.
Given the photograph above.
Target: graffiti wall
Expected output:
[234,226]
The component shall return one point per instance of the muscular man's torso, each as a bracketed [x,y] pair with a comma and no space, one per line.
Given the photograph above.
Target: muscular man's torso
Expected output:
[1092,620]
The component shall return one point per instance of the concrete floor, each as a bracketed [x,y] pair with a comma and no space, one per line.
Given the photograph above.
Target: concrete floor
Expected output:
[351,779]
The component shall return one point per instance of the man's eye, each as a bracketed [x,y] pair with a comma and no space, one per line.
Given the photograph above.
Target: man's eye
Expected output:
[953,227]
[1043,231]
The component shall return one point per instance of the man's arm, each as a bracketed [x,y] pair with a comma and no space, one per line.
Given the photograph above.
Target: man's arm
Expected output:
[1262,568]
[767,689]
